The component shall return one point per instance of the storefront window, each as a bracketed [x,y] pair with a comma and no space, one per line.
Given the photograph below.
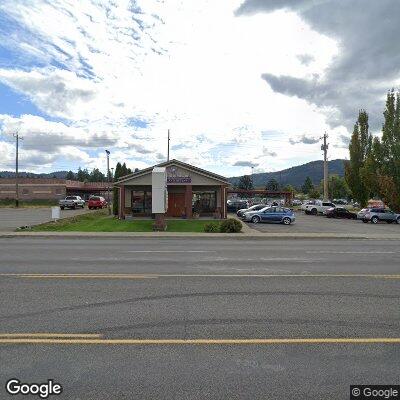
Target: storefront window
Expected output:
[141,202]
[204,202]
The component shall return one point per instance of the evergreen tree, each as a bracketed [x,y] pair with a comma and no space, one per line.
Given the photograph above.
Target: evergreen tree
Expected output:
[371,170]
[359,147]
[70,176]
[314,194]
[245,182]
[338,188]
[83,175]
[391,139]
[272,185]
[117,175]
[97,176]
[307,186]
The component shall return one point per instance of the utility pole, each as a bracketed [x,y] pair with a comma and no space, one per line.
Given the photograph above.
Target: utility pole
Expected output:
[168,146]
[108,180]
[17,138]
[324,148]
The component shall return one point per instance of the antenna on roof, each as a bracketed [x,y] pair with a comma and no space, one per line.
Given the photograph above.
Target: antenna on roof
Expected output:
[168,146]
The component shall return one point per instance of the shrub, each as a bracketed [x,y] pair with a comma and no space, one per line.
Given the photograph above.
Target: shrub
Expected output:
[231,225]
[212,227]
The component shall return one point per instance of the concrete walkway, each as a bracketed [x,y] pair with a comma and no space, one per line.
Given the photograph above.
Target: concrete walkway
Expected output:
[191,235]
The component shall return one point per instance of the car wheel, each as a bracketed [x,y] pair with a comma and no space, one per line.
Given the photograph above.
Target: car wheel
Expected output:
[255,219]
[398,220]
[374,220]
[62,208]
[286,221]
[314,211]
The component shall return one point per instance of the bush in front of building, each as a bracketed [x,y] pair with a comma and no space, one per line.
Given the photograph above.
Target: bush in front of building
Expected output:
[230,225]
[212,227]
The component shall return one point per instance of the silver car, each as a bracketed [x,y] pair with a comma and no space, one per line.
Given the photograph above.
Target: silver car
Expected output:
[256,207]
[374,215]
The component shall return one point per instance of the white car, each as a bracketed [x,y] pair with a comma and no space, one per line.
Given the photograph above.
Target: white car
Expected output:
[72,202]
[319,207]
[306,203]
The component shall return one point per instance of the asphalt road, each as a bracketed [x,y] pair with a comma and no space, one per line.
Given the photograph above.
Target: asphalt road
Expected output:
[13,218]
[321,224]
[197,289]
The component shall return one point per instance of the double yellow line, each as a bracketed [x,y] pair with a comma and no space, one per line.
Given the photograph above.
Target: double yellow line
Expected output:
[96,339]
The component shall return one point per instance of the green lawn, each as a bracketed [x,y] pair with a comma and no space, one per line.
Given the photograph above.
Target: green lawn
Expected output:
[100,222]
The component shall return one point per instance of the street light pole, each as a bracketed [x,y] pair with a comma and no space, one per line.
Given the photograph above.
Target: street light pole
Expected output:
[17,139]
[108,180]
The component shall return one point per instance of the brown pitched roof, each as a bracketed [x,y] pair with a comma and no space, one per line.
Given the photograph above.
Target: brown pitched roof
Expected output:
[177,163]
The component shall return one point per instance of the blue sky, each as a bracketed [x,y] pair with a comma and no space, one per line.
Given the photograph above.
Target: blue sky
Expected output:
[78,78]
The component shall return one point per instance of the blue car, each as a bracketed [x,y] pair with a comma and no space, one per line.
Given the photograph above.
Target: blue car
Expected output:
[270,214]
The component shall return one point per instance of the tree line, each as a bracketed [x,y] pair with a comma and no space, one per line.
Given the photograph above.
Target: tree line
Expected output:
[373,170]
[338,188]
[83,175]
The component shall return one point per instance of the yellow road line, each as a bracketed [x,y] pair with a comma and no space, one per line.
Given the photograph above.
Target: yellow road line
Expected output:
[155,276]
[50,335]
[141,342]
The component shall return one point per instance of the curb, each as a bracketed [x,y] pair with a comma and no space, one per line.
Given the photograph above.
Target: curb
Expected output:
[188,235]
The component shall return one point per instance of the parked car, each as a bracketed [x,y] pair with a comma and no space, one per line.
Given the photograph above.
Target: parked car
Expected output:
[306,203]
[235,205]
[374,215]
[340,202]
[97,202]
[319,207]
[72,202]
[297,202]
[340,212]
[256,207]
[270,214]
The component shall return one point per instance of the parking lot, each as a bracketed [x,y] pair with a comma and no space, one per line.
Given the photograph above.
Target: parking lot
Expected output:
[321,224]
[13,218]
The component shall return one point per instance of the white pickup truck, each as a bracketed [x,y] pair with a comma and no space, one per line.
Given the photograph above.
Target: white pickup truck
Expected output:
[72,202]
[319,207]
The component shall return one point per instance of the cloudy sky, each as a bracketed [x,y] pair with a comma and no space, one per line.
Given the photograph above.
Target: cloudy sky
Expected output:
[239,83]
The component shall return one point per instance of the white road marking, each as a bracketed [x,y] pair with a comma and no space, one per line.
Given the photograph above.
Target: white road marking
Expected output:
[170,251]
[350,252]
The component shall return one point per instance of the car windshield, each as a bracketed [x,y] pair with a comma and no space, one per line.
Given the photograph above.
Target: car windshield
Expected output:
[95,198]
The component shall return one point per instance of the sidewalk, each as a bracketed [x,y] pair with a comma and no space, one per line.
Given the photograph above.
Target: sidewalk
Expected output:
[248,235]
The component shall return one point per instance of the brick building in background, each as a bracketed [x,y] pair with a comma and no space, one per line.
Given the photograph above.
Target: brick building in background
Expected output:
[50,189]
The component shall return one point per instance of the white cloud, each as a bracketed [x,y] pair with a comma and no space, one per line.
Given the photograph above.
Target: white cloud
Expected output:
[190,66]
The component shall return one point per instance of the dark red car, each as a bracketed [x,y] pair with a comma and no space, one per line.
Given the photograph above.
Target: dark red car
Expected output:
[97,202]
[340,212]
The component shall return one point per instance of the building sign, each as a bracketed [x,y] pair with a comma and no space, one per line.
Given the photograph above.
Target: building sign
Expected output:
[174,178]
[179,179]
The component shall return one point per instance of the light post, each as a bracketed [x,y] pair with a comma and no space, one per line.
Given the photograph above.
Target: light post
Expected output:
[108,180]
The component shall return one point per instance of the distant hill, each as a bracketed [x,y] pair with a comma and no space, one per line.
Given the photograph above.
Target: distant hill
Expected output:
[296,176]
[23,174]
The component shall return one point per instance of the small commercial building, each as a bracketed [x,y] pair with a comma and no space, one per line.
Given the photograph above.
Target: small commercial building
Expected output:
[49,189]
[190,191]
